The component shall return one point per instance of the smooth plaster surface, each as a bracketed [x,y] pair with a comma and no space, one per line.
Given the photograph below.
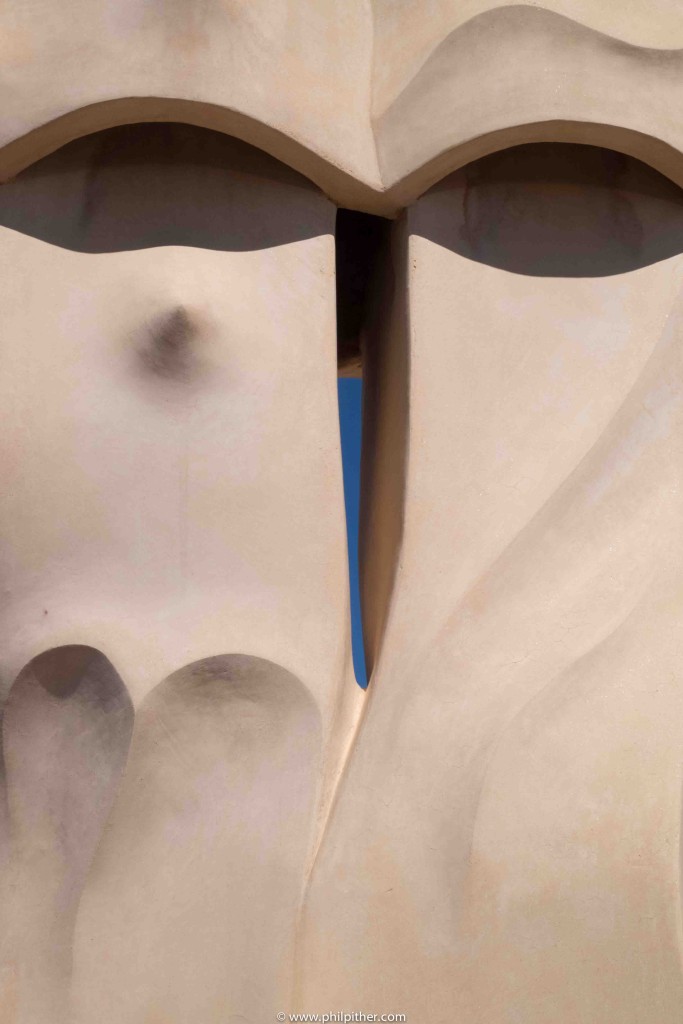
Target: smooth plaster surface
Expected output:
[202,819]
[172,493]
[374,101]
[505,840]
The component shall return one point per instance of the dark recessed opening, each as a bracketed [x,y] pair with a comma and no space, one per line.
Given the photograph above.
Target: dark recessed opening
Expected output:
[555,210]
[358,240]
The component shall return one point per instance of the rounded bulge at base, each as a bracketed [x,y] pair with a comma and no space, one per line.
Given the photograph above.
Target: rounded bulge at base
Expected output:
[192,903]
[170,435]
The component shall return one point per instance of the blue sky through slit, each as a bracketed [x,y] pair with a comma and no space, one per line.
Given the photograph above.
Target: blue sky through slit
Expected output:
[350,421]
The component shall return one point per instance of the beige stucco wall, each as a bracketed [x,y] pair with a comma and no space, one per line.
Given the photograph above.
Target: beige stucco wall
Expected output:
[202,818]
[172,494]
[505,841]
[373,102]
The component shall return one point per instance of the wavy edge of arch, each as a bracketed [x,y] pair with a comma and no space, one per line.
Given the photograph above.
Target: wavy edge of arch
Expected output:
[340,187]
[337,184]
[661,156]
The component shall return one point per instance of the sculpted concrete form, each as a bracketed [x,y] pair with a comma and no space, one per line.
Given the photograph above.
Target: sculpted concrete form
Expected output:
[203,819]
[523,729]
[168,323]
[374,101]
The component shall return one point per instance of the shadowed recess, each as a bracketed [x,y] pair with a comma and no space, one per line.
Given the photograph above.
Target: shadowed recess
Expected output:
[385,439]
[358,241]
[556,210]
[361,244]
[202,870]
[145,185]
[519,74]
[66,730]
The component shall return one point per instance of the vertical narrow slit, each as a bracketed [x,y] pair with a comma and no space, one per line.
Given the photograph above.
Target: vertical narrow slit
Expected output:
[358,238]
[350,424]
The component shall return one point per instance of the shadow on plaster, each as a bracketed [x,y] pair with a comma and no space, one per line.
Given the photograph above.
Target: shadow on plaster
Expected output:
[513,74]
[555,210]
[146,185]
[212,808]
[66,730]
[521,74]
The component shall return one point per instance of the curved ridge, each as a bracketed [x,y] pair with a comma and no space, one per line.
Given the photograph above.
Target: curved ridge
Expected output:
[534,15]
[577,475]
[536,9]
[509,75]
[45,139]
[211,829]
[554,80]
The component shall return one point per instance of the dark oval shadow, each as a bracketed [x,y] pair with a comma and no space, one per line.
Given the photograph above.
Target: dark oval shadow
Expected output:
[555,210]
[145,185]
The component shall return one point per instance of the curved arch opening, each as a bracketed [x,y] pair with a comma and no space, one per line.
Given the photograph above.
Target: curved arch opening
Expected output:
[143,185]
[26,150]
[556,210]
[648,149]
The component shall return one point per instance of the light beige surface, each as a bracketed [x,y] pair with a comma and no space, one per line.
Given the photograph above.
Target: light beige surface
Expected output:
[521,73]
[202,819]
[191,909]
[505,843]
[172,494]
[374,101]
[166,377]
[406,33]
[290,76]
